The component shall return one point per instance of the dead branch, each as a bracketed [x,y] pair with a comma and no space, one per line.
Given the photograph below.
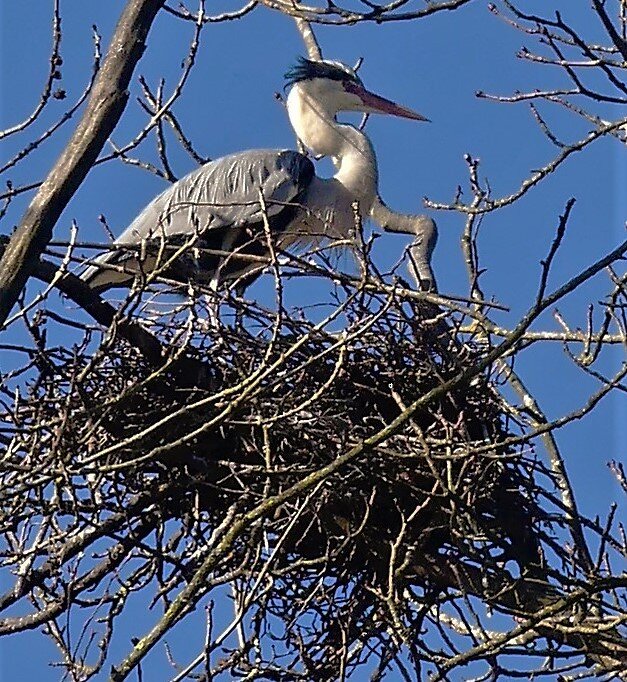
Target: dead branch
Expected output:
[106,104]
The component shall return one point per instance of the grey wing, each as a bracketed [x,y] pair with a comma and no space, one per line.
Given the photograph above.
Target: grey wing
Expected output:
[215,201]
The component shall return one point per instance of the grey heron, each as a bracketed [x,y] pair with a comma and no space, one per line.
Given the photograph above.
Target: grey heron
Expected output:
[220,206]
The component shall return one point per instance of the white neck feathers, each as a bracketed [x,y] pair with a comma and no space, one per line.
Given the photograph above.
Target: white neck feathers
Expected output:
[314,123]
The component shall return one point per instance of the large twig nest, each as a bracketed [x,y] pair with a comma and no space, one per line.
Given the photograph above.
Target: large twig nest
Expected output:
[285,398]
[270,400]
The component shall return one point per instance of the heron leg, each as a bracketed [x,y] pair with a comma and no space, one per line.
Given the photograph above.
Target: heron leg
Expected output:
[212,301]
[420,253]
[425,233]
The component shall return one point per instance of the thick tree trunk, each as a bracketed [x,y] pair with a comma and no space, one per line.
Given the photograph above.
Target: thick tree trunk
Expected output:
[103,111]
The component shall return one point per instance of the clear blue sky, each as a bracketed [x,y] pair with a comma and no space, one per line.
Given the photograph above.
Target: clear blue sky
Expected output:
[434,66]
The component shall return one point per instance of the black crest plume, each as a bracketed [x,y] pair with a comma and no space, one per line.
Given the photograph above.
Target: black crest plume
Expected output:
[306,69]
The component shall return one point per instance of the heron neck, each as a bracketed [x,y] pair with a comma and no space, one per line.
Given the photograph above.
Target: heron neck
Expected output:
[356,165]
[351,151]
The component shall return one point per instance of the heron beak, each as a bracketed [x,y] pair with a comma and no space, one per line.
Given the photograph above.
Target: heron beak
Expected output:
[375,104]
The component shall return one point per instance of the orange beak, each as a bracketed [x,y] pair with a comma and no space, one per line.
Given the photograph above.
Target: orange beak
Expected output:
[375,104]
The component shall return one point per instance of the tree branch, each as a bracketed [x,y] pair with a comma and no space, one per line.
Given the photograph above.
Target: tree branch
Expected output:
[105,107]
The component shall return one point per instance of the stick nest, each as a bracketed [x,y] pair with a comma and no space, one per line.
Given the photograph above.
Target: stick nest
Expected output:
[261,402]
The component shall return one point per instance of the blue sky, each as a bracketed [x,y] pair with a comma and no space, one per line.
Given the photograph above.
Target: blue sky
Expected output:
[434,66]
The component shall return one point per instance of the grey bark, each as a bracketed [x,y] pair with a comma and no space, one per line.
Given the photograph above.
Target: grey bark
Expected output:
[104,109]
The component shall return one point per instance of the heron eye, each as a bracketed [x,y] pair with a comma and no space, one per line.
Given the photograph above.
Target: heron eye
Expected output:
[351,86]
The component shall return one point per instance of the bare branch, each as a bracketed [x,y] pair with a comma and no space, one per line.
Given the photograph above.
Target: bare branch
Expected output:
[106,104]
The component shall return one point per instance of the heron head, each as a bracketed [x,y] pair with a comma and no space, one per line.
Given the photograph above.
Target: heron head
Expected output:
[339,88]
